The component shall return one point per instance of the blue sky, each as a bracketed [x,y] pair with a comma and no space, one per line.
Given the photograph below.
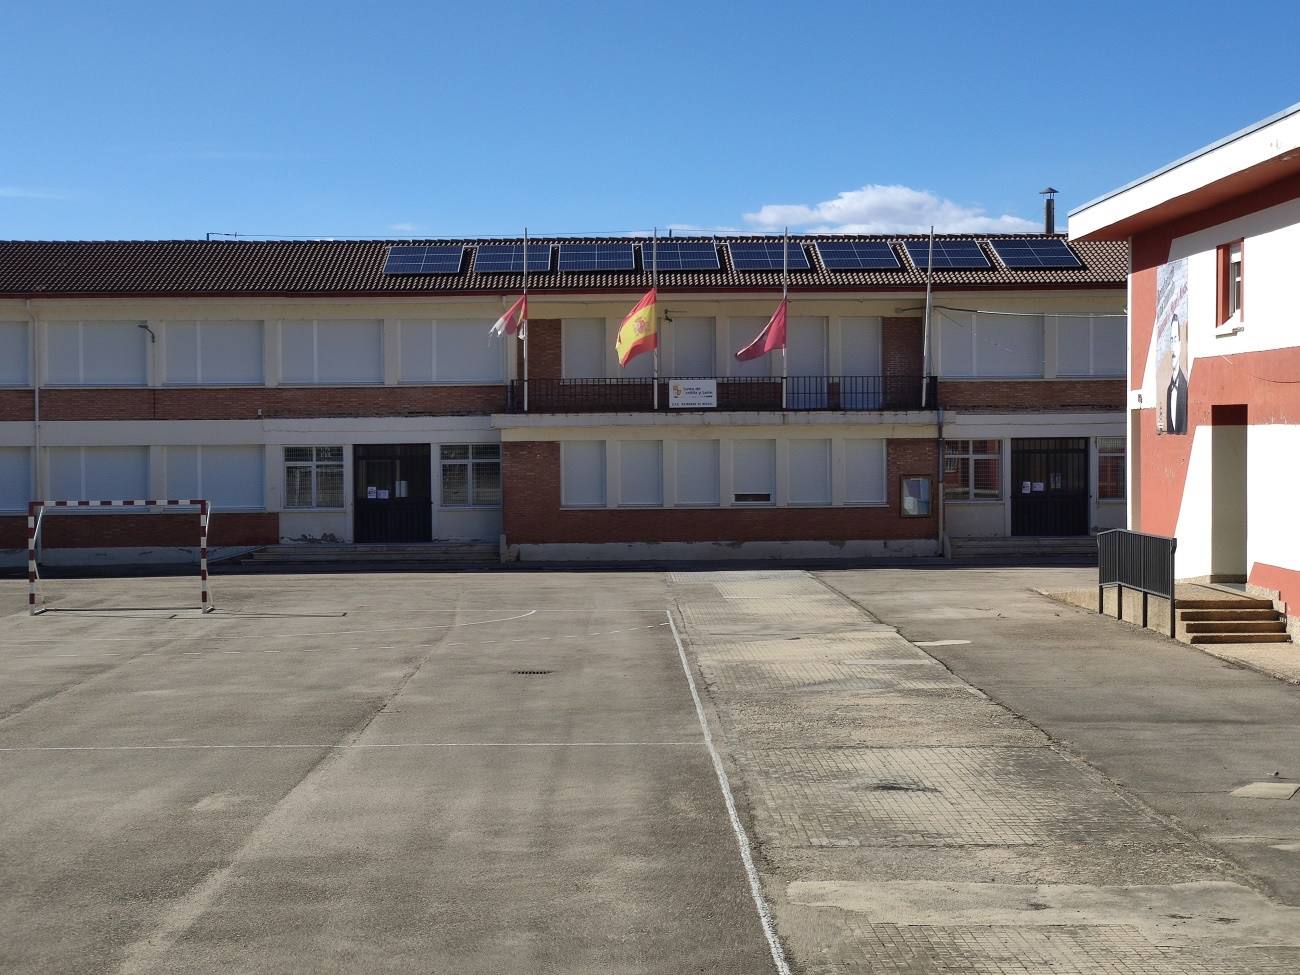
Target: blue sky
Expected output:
[148,119]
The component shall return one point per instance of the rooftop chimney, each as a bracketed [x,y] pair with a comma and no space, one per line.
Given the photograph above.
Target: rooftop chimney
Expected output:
[1049,210]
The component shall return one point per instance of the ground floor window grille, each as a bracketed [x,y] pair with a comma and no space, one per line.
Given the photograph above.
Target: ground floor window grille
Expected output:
[1110,468]
[471,475]
[972,470]
[313,477]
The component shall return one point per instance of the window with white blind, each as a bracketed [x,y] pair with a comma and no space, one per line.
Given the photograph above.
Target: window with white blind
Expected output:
[213,353]
[15,357]
[459,350]
[229,477]
[99,473]
[987,346]
[582,348]
[15,478]
[331,352]
[864,471]
[1091,345]
[313,477]
[471,475]
[582,473]
[693,347]
[810,471]
[96,353]
[753,471]
[697,473]
[641,473]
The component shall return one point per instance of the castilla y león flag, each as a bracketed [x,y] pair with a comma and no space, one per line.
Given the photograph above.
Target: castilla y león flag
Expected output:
[771,338]
[639,331]
[515,321]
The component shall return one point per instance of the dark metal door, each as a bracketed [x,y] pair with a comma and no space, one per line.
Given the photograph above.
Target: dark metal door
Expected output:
[1049,486]
[392,497]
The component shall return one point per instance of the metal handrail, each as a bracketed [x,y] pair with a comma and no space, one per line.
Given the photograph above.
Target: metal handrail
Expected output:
[1133,560]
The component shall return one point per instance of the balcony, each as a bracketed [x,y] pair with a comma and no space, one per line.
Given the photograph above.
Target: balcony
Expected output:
[802,393]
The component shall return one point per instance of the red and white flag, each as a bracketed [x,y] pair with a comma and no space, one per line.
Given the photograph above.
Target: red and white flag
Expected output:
[770,339]
[514,322]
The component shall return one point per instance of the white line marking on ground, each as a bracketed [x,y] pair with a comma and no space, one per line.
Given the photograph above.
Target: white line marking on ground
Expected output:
[331,746]
[941,643]
[742,838]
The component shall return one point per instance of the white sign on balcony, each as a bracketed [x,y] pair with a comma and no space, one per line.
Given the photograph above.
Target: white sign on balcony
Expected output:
[692,393]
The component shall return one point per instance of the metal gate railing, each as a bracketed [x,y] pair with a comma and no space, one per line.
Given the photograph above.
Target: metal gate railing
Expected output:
[1133,560]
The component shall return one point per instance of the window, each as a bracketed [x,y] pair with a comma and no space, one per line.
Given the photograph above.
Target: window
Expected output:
[582,343]
[990,346]
[96,353]
[810,471]
[1110,468]
[331,352]
[450,351]
[1091,345]
[313,477]
[864,472]
[972,470]
[582,473]
[99,473]
[754,471]
[229,477]
[697,473]
[641,473]
[213,353]
[915,497]
[14,357]
[692,347]
[1231,281]
[15,478]
[471,475]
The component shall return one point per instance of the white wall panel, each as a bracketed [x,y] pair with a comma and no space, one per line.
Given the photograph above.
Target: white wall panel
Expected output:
[693,345]
[582,342]
[754,471]
[349,352]
[15,356]
[860,347]
[1009,345]
[582,465]
[182,472]
[232,477]
[697,472]
[810,471]
[214,353]
[1090,345]
[417,352]
[807,349]
[65,474]
[116,472]
[298,351]
[466,352]
[96,354]
[864,471]
[15,478]
[641,473]
[181,365]
[956,334]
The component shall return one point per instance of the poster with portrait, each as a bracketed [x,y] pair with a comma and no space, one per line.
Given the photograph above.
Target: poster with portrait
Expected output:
[1171,347]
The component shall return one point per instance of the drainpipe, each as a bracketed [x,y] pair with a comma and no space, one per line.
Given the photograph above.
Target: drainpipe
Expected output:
[34,362]
[943,537]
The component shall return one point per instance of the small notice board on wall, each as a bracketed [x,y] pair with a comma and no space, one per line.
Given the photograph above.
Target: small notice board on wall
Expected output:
[692,393]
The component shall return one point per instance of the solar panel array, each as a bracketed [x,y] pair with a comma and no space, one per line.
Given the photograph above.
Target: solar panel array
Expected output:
[856,255]
[765,255]
[681,255]
[948,254]
[509,258]
[597,257]
[425,259]
[1021,252]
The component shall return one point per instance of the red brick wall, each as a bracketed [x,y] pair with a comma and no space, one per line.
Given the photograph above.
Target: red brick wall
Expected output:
[544,358]
[1015,395]
[17,404]
[533,514]
[901,346]
[226,403]
[137,530]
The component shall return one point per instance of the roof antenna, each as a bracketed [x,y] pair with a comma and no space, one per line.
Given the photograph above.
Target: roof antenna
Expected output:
[1049,210]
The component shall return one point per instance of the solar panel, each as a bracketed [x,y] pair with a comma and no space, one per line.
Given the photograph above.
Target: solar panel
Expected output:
[765,255]
[596,257]
[681,255]
[947,254]
[855,255]
[506,258]
[1034,252]
[440,259]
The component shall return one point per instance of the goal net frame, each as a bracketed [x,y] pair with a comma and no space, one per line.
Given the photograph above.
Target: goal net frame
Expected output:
[36,515]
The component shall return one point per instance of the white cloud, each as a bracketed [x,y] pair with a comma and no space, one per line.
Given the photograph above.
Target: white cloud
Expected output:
[30,193]
[875,209]
[404,228]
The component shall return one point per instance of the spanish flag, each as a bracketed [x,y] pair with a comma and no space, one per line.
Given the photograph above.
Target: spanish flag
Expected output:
[639,331]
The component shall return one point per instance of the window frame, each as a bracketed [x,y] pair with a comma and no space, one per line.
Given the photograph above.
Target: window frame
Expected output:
[970,455]
[314,464]
[471,480]
[1226,316]
[903,495]
[1122,454]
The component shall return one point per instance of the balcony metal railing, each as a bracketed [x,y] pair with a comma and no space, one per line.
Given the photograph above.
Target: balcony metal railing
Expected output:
[803,393]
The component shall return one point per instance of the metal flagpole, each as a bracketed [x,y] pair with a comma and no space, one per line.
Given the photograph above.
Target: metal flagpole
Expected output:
[525,319]
[654,285]
[785,294]
[925,343]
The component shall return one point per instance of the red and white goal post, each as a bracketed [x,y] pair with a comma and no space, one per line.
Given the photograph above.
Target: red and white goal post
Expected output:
[36,513]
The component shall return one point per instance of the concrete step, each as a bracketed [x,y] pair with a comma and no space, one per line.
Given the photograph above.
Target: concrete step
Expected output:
[1228,602]
[1199,615]
[430,552]
[1238,638]
[1237,626]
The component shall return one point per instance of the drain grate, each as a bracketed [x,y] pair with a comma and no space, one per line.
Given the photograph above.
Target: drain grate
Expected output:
[531,673]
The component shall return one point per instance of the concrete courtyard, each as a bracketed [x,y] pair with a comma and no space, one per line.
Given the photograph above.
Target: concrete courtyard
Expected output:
[508,772]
